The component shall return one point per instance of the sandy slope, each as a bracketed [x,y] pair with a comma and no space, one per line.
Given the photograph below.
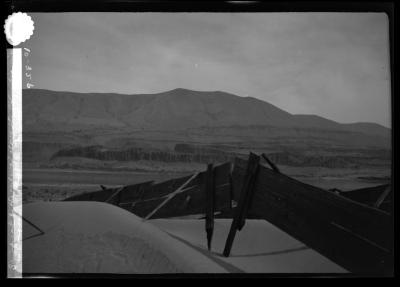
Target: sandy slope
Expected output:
[92,237]
[259,248]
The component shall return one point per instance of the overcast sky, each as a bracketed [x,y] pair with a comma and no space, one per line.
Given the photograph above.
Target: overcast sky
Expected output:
[335,65]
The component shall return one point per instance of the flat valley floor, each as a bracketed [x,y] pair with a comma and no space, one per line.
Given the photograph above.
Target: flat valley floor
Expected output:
[54,184]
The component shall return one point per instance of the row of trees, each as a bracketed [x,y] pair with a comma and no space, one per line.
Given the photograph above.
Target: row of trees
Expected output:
[135,154]
[189,153]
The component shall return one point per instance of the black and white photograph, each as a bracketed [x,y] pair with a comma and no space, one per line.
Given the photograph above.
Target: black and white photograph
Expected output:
[224,143]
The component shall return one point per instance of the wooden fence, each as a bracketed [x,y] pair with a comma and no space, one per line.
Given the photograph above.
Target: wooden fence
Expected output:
[351,234]
[142,199]
[354,235]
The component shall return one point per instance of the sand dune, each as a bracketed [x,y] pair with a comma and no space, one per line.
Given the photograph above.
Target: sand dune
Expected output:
[97,237]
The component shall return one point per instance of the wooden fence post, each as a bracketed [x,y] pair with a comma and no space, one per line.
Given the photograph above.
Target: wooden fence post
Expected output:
[210,203]
[244,201]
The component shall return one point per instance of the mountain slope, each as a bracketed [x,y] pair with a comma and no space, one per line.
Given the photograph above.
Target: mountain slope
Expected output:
[177,109]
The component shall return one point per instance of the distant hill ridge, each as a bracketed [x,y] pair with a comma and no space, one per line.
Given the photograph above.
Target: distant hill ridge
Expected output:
[178,109]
